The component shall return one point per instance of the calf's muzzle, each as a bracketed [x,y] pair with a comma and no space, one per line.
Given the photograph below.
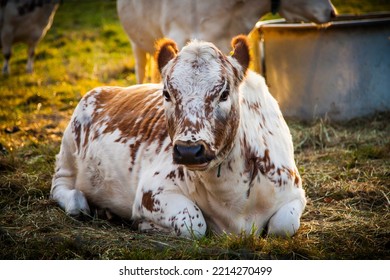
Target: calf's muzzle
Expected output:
[191,154]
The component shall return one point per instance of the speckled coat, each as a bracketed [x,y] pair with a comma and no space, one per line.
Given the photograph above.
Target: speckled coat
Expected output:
[124,148]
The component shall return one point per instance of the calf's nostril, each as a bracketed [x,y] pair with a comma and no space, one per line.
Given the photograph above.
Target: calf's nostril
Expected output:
[200,151]
[176,150]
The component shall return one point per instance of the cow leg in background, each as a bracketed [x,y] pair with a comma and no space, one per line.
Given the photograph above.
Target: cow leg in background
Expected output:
[6,69]
[140,63]
[30,57]
[6,42]
[63,189]
[166,209]
[156,76]
[286,221]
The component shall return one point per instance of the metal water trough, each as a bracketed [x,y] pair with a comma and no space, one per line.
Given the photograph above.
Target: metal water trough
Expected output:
[339,71]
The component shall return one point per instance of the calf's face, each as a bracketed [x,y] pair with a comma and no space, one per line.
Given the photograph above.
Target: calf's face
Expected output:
[201,99]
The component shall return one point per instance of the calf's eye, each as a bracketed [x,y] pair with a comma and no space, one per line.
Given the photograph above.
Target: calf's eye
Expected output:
[224,96]
[166,95]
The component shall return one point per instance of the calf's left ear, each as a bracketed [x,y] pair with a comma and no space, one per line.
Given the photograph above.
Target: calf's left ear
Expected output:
[240,51]
[166,49]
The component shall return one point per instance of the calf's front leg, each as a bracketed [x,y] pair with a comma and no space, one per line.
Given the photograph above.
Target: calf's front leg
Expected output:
[168,211]
[286,221]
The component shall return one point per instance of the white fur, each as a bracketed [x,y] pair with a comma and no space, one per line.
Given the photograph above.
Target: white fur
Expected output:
[286,221]
[72,201]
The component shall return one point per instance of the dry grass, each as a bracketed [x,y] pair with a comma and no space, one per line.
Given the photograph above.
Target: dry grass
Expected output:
[346,176]
[345,167]
[346,170]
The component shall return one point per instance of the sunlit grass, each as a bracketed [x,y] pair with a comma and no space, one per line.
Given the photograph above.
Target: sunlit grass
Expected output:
[360,7]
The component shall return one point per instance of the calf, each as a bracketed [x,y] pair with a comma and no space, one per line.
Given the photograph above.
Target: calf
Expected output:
[216,21]
[25,21]
[206,148]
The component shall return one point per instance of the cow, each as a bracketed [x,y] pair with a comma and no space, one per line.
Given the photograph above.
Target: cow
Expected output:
[25,21]
[206,148]
[216,21]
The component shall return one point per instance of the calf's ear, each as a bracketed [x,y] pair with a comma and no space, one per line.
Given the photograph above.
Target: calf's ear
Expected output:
[240,51]
[166,49]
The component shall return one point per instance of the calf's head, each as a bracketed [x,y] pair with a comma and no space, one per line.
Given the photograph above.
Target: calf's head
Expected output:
[201,99]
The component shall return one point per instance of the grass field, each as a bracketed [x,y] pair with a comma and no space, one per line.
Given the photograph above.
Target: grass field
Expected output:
[345,166]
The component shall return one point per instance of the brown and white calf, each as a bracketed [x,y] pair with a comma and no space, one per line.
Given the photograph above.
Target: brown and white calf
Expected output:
[206,148]
[25,21]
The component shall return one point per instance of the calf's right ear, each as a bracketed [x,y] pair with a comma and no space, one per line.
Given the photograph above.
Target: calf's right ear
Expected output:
[166,49]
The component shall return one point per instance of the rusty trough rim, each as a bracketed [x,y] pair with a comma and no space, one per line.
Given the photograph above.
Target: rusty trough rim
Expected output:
[340,21]
[343,21]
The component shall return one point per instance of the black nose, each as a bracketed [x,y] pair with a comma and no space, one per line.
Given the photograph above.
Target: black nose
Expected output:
[189,154]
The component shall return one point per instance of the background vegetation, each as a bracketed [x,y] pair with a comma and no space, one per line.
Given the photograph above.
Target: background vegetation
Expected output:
[345,166]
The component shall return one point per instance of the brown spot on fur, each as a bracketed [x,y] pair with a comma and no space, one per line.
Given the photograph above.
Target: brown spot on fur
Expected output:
[297,180]
[136,114]
[264,163]
[81,132]
[280,175]
[250,158]
[171,175]
[180,173]
[238,75]
[254,171]
[248,192]
[87,129]
[76,130]
[149,202]
[225,131]
[256,106]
